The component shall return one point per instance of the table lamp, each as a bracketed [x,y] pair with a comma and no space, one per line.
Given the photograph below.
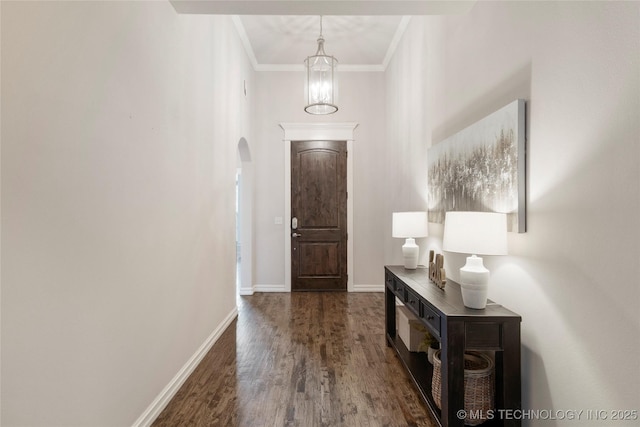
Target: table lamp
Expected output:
[475,233]
[410,225]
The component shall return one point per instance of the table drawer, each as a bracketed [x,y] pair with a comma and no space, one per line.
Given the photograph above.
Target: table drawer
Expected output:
[399,289]
[431,317]
[388,279]
[413,302]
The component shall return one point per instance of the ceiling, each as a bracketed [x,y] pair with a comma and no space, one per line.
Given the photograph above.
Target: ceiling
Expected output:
[285,41]
[361,34]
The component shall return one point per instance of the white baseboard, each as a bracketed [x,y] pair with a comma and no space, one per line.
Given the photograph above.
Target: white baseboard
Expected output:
[280,288]
[368,288]
[152,412]
[269,288]
[245,291]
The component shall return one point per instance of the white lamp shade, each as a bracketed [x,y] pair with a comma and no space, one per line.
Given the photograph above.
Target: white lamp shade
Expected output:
[478,233]
[409,224]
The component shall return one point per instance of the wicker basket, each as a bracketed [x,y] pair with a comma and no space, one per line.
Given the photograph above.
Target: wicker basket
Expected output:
[478,386]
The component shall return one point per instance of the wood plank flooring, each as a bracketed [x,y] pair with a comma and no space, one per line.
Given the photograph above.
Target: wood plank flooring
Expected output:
[301,359]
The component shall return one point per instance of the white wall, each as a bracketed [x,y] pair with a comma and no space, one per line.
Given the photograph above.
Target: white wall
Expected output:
[407,130]
[280,99]
[119,141]
[574,275]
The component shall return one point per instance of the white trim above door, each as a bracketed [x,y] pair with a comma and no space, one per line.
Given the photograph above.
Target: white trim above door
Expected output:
[317,132]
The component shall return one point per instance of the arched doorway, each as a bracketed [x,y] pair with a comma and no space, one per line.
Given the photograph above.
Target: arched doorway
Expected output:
[244,220]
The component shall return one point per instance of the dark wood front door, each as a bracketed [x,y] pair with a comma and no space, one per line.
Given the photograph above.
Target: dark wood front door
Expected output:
[318,215]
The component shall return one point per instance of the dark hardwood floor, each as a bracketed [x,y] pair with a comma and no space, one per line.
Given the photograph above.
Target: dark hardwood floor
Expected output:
[300,359]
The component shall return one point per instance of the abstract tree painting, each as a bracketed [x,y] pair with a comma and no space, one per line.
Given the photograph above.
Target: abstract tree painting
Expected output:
[482,168]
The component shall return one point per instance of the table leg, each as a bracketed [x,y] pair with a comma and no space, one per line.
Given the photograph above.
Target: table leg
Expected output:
[390,315]
[452,357]
[508,386]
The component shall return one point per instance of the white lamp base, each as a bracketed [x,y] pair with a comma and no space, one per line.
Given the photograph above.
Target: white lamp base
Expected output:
[410,253]
[474,283]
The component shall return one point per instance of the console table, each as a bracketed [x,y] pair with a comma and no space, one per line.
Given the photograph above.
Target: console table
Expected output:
[458,328]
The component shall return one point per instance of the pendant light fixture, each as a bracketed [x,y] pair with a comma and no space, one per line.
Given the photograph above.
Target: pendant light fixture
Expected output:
[320,82]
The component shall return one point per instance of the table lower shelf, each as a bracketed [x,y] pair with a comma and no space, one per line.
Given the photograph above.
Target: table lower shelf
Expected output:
[421,373]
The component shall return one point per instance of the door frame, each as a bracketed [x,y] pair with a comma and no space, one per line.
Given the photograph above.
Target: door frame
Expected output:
[317,132]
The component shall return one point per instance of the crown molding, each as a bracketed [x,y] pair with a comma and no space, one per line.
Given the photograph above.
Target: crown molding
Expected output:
[402,27]
[242,33]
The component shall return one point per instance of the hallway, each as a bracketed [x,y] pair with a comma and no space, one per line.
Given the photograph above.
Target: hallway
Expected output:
[300,359]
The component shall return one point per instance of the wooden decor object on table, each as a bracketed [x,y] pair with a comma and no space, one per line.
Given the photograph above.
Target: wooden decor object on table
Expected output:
[436,270]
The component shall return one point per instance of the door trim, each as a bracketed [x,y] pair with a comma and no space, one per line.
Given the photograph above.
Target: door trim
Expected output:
[317,132]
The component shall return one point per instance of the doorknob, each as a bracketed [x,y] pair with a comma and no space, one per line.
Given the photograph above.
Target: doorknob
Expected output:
[296,234]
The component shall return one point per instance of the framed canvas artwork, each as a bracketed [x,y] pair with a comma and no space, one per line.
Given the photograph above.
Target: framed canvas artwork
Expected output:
[482,168]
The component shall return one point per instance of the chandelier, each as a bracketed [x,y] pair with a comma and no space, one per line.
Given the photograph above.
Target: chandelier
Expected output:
[320,82]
